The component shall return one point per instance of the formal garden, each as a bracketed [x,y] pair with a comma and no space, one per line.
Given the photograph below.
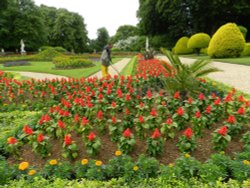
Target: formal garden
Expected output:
[160,122]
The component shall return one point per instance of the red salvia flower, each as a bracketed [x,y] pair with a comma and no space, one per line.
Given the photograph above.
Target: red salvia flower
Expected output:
[153,112]
[222,131]
[190,100]
[188,133]
[217,101]
[208,109]
[99,114]
[141,104]
[156,134]
[91,136]
[84,121]
[201,96]
[76,118]
[127,133]
[177,95]
[40,138]
[169,121]
[228,98]
[141,119]
[12,140]
[241,98]
[198,114]
[114,119]
[149,94]
[180,111]
[231,119]
[27,130]
[61,124]
[113,104]
[127,112]
[67,140]
[241,111]
[127,97]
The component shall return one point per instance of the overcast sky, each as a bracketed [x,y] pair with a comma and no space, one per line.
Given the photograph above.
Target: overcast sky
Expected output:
[99,13]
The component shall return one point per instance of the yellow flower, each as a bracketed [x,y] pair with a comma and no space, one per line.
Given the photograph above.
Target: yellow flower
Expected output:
[136,168]
[170,165]
[118,153]
[31,172]
[23,166]
[98,163]
[53,162]
[186,155]
[246,162]
[213,83]
[84,161]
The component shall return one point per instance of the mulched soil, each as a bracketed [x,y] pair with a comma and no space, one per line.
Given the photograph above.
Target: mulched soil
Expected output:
[171,153]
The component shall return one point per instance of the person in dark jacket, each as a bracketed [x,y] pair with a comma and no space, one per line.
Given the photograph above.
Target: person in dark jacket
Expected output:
[106,59]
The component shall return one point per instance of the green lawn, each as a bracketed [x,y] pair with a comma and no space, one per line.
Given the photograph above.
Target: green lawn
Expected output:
[49,67]
[240,60]
[128,69]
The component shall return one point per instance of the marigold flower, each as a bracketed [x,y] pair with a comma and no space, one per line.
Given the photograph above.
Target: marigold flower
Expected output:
[187,155]
[98,163]
[246,162]
[23,165]
[135,168]
[85,161]
[12,140]
[118,153]
[31,172]
[171,165]
[53,162]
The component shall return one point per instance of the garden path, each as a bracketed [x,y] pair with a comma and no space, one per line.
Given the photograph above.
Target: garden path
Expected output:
[237,76]
[118,66]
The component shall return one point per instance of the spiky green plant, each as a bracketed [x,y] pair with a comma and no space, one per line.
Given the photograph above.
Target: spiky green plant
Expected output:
[185,75]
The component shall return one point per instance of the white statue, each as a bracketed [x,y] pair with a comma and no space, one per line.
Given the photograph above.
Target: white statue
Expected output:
[147,44]
[2,50]
[22,46]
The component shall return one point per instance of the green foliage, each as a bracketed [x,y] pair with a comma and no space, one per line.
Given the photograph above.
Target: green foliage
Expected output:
[226,42]
[246,140]
[123,32]
[5,170]
[181,46]
[64,62]
[240,169]
[130,67]
[198,41]
[185,144]
[185,79]
[243,30]
[148,167]
[222,161]
[246,51]
[57,48]
[48,55]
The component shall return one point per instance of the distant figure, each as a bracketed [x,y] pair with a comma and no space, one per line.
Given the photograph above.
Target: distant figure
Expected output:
[22,47]
[106,59]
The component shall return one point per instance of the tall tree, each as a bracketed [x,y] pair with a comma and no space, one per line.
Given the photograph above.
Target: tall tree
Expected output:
[102,38]
[125,31]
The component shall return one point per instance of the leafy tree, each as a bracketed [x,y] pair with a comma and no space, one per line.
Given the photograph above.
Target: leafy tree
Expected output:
[123,32]
[102,38]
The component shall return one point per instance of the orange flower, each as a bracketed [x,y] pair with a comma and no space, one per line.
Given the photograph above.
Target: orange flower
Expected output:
[23,166]
[85,161]
[118,153]
[53,162]
[98,163]
[31,172]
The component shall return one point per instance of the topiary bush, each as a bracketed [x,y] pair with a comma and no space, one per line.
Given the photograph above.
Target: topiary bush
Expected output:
[181,46]
[48,54]
[198,41]
[246,51]
[57,48]
[228,41]
[63,62]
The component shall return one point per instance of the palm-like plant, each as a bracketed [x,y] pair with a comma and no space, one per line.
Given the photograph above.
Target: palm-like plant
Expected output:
[185,75]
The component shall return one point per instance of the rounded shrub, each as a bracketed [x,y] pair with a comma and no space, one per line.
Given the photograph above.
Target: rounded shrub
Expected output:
[64,62]
[48,54]
[181,46]
[198,41]
[57,48]
[246,51]
[228,41]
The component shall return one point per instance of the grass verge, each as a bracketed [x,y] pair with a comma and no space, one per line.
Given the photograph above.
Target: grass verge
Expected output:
[128,69]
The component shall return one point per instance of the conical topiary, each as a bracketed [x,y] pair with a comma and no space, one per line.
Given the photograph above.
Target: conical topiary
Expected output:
[228,41]
[181,46]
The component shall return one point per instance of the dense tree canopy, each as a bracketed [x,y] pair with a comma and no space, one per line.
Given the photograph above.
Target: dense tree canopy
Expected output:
[185,17]
[123,32]
[38,26]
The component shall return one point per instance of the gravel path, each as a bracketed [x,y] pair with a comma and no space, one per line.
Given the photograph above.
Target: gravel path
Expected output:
[118,66]
[237,76]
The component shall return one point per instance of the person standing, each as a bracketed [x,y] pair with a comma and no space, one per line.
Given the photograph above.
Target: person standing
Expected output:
[106,59]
